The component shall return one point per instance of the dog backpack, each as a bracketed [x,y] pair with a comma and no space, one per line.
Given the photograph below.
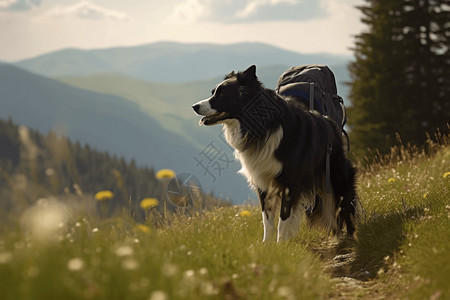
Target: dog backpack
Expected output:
[315,86]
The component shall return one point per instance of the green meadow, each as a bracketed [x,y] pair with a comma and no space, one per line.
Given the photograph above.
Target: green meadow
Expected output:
[54,249]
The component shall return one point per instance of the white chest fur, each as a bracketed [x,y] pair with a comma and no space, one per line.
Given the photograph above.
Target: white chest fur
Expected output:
[259,166]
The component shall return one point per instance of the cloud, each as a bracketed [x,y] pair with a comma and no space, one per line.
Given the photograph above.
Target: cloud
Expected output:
[255,7]
[239,11]
[19,4]
[87,11]
[187,11]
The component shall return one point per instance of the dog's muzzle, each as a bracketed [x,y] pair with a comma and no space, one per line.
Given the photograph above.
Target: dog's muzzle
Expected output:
[210,115]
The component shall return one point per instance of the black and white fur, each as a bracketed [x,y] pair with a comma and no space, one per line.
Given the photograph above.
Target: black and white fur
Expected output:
[286,166]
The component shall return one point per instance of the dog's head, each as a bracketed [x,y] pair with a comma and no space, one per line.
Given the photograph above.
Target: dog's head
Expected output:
[228,98]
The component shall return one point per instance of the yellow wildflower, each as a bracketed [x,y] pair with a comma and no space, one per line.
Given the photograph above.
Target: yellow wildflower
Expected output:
[103,195]
[245,213]
[391,180]
[425,196]
[143,228]
[446,174]
[165,173]
[147,203]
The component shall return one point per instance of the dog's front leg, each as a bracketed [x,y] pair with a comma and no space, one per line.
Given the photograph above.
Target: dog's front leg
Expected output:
[290,216]
[268,207]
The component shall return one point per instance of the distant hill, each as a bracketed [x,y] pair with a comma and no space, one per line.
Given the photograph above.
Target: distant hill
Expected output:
[170,62]
[168,103]
[109,123]
[104,121]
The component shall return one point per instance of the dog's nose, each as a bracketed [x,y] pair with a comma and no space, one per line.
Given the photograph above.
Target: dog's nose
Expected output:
[196,107]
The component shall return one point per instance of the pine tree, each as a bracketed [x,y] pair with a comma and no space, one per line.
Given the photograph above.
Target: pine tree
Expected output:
[401,73]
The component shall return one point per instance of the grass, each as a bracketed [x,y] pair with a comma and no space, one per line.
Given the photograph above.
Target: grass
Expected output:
[404,242]
[216,254]
[53,251]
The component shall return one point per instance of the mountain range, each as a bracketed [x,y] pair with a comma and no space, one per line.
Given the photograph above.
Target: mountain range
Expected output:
[169,61]
[136,102]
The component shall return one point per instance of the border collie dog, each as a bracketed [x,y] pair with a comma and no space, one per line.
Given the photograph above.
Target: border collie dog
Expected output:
[282,147]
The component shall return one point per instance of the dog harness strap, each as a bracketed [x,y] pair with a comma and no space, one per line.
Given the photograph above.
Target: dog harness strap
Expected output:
[327,168]
[348,140]
[311,95]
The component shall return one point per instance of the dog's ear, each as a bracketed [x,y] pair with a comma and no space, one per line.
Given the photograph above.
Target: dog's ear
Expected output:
[230,75]
[247,76]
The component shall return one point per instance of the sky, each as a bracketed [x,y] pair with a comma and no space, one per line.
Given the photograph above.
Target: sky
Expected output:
[29,28]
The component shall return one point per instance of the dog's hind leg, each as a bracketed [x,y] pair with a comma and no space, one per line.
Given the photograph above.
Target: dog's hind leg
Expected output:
[268,207]
[349,204]
[290,216]
[348,211]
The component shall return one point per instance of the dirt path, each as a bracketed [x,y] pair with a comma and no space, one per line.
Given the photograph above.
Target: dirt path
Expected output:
[349,283]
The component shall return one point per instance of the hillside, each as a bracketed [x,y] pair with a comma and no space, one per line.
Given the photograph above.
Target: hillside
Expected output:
[170,62]
[34,166]
[103,121]
[402,251]
[168,103]
[111,123]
